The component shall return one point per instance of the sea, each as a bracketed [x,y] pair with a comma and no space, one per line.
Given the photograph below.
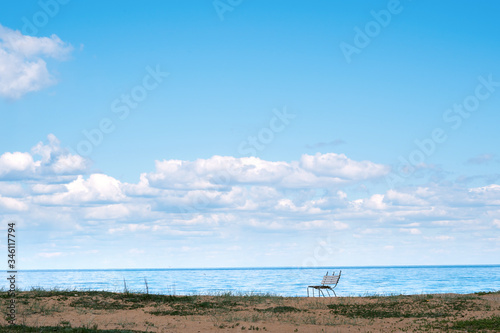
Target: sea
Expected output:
[282,281]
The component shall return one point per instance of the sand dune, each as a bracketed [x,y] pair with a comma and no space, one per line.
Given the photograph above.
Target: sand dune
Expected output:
[126,312]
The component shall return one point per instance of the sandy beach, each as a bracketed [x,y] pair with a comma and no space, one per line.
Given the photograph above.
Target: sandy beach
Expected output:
[97,311]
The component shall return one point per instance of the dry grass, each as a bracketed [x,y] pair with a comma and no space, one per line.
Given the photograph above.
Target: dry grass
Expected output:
[96,311]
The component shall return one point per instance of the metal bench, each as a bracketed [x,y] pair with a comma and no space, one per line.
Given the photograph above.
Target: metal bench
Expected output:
[328,283]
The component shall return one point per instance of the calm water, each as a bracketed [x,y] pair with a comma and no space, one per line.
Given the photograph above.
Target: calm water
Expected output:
[281,281]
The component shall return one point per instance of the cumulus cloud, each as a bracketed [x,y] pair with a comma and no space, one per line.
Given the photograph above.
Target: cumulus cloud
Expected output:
[16,165]
[226,197]
[44,160]
[376,201]
[98,188]
[22,61]
[217,172]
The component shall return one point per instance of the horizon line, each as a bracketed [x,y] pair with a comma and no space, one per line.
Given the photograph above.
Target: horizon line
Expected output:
[256,267]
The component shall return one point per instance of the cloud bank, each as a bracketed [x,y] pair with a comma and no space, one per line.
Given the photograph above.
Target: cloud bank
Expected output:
[223,198]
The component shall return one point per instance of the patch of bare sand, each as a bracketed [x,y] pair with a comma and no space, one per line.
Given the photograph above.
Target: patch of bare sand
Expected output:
[240,313]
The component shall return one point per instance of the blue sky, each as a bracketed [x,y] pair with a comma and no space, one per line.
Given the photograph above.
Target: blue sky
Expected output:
[242,133]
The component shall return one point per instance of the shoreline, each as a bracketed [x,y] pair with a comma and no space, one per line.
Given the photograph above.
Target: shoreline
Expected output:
[226,312]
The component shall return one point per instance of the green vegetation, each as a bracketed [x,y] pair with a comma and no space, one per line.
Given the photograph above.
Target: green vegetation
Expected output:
[481,293]
[279,309]
[192,306]
[491,324]
[476,325]
[62,329]
[409,307]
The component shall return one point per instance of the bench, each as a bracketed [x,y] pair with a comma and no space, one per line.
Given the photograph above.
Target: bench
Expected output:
[328,283]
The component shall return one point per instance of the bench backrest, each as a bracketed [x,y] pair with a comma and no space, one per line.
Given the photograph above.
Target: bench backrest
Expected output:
[330,279]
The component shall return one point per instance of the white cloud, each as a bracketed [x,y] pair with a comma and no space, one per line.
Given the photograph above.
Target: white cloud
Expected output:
[47,188]
[444,238]
[219,172]
[342,195]
[376,201]
[271,225]
[11,189]
[338,165]
[287,205]
[107,212]
[141,189]
[216,172]
[331,201]
[44,160]
[68,164]
[405,199]
[182,199]
[133,227]
[16,165]
[412,231]
[212,220]
[11,204]
[56,160]
[489,188]
[22,65]
[493,188]
[97,188]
